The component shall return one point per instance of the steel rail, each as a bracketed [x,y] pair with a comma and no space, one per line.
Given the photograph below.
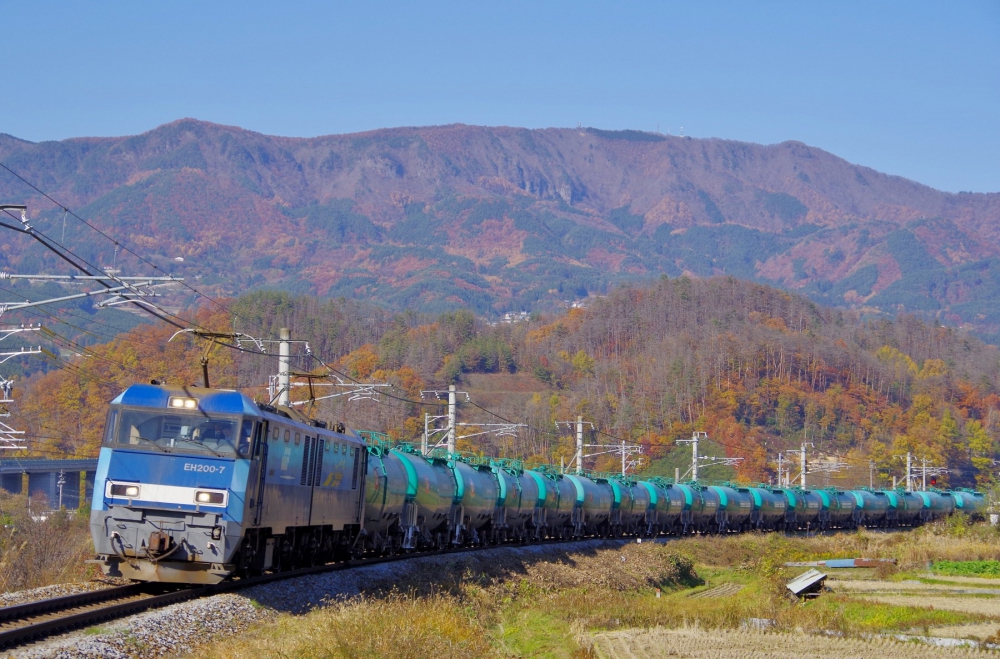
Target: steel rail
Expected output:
[30,621]
[39,607]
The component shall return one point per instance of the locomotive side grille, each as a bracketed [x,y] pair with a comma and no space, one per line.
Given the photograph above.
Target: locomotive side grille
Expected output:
[318,463]
[306,462]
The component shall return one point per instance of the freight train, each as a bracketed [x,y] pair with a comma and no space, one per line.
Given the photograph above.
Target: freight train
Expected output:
[196,485]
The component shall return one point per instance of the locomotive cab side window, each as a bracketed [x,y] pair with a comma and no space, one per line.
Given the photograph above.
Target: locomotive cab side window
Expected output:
[246,433]
[111,427]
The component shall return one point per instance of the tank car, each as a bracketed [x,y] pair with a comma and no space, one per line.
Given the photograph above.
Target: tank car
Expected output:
[970,502]
[735,509]
[515,506]
[194,485]
[937,504]
[387,491]
[913,506]
[558,500]
[630,506]
[768,513]
[841,509]
[704,508]
[870,508]
[427,515]
[668,506]
[806,509]
[476,494]
[591,507]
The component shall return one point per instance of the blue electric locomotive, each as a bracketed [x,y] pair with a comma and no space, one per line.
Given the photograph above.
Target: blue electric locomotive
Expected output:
[195,484]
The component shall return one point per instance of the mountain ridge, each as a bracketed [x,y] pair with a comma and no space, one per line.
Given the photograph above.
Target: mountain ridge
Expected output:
[499,218]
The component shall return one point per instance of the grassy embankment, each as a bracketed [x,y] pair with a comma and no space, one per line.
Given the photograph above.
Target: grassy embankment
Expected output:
[36,553]
[552,607]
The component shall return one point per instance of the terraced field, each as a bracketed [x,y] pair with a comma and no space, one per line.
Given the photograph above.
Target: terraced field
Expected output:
[696,643]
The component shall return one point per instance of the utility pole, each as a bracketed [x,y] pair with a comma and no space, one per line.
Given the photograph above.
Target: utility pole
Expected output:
[871,474]
[578,455]
[923,473]
[694,455]
[909,483]
[451,419]
[697,459]
[803,464]
[781,462]
[60,483]
[450,431]
[284,352]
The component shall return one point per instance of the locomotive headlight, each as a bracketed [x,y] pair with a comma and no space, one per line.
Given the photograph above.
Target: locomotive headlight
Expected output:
[209,497]
[130,491]
[182,403]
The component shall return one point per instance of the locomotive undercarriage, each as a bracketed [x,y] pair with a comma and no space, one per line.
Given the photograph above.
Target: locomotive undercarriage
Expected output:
[302,546]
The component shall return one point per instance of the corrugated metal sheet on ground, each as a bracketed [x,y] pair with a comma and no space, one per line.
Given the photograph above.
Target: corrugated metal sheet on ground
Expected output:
[806,582]
[843,562]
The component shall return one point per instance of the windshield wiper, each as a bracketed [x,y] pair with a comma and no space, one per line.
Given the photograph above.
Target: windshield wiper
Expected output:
[153,442]
[199,444]
[212,451]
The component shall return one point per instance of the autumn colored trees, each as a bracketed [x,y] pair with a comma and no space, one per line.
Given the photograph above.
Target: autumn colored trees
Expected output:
[760,370]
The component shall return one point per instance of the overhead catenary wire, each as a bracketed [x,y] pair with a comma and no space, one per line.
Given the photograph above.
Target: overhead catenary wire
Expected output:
[89,269]
[117,243]
[180,323]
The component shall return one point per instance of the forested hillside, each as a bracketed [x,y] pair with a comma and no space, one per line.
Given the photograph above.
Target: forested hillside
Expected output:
[503,219]
[759,369]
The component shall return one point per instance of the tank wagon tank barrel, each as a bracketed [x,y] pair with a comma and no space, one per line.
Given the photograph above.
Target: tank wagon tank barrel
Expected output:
[195,485]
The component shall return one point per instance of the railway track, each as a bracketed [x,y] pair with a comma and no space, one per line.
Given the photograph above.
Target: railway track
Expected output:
[24,623]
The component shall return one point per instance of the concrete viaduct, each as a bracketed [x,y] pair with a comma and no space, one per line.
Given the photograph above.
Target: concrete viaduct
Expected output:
[58,480]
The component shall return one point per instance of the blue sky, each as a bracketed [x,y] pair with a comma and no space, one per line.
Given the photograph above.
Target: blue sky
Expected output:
[909,88]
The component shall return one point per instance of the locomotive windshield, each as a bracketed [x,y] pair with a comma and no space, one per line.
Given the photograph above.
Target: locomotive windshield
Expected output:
[172,432]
